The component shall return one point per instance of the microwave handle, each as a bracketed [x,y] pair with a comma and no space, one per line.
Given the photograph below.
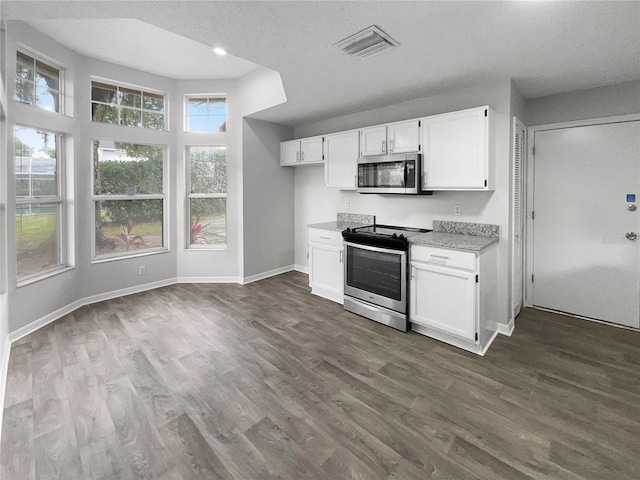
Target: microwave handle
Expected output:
[406,173]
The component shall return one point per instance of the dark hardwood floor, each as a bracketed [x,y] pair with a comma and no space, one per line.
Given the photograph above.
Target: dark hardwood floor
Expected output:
[266,381]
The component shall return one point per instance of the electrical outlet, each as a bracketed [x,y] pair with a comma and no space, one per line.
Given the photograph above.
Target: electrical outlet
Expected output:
[142,270]
[456,210]
[327,204]
[347,204]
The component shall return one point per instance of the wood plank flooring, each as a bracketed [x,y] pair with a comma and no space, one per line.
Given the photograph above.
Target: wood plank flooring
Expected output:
[266,381]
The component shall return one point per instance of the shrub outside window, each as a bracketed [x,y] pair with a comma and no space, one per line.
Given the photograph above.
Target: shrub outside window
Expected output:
[127,106]
[207,202]
[206,113]
[38,83]
[129,185]
[39,202]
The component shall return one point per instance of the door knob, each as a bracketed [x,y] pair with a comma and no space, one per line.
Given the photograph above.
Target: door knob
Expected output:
[631,236]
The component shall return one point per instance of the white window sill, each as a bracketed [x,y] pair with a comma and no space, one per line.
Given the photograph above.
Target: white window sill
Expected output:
[125,256]
[205,248]
[44,275]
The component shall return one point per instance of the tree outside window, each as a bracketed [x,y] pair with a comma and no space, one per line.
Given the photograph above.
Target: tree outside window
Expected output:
[206,113]
[37,83]
[127,106]
[207,187]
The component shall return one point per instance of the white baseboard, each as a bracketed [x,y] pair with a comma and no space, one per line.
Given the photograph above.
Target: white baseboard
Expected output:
[270,273]
[208,280]
[301,268]
[507,329]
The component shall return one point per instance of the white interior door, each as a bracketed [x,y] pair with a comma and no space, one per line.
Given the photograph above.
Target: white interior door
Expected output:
[583,263]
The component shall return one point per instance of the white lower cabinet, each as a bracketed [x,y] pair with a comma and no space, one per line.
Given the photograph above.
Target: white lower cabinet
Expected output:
[326,267]
[452,296]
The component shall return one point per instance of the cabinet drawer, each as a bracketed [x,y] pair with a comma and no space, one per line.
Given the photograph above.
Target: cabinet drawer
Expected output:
[325,236]
[441,256]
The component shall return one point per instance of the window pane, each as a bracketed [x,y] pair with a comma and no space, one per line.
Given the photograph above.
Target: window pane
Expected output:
[36,163]
[207,114]
[37,238]
[101,92]
[153,120]
[47,76]
[47,99]
[24,67]
[131,98]
[208,221]
[129,226]
[131,117]
[104,113]
[208,169]
[127,168]
[153,101]
[24,91]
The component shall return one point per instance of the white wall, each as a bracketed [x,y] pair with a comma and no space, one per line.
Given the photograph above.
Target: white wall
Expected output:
[418,211]
[268,193]
[609,101]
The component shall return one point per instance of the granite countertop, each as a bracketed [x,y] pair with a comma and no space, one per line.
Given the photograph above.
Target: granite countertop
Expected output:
[457,241]
[344,221]
[473,237]
[335,226]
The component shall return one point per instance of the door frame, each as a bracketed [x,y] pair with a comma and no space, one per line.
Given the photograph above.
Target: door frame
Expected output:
[529,168]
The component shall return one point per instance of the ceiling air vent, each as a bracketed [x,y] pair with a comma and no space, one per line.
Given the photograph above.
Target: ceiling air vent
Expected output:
[367,43]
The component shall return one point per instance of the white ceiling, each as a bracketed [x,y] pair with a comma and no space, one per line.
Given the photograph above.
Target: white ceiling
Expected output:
[547,47]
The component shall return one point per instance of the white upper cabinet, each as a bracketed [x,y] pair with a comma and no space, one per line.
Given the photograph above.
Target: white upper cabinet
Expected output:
[290,152]
[311,150]
[341,159]
[301,152]
[398,137]
[373,141]
[456,150]
[403,137]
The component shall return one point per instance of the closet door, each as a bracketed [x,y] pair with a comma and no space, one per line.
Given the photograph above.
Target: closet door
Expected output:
[517,207]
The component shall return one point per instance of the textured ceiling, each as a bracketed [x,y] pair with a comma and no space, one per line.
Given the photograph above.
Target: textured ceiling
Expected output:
[547,47]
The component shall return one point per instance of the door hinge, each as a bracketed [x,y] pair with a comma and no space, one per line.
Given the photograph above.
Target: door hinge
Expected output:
[533,151]
[322,139]
[419,147]
[486,112]
[419,123]
[485,183]
[532,278]
[476,336]
[476,278]
[533,215]
[323,157]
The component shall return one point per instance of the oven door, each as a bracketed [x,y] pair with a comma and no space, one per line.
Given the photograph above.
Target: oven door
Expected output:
[376,275]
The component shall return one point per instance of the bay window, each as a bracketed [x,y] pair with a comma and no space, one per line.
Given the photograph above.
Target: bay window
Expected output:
[40,202]
[129,106]
[207,197]
[129,199]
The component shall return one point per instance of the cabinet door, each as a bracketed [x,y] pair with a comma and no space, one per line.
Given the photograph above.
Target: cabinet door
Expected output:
[341,160]
[455,150]
[444,298]
[290,152]
[373,141]
[404,137]
[311,150]
[326,270]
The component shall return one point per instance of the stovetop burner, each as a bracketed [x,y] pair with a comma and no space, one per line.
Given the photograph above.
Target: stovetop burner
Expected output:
[387,236]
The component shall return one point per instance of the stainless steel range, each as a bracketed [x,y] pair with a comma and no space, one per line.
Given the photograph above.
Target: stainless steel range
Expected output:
[375,272]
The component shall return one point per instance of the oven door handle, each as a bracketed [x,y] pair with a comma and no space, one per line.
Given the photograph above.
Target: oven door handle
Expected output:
[376,249]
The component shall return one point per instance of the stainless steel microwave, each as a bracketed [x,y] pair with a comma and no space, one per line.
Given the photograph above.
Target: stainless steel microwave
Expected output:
[396,173]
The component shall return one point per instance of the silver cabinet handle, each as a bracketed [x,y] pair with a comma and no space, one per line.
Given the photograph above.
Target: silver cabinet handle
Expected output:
[297,156]
[631,236]
[355,181]
[325,238]
[390,146]
[302,156]
[382,150]
[341,252]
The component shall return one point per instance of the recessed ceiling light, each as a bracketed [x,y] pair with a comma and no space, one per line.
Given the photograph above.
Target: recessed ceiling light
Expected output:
[219,51]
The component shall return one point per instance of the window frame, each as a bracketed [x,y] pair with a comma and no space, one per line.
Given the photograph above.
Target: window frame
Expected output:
[189,196]
[164,196]
[118,105]
[49,63]
[208,96]
[61,203]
